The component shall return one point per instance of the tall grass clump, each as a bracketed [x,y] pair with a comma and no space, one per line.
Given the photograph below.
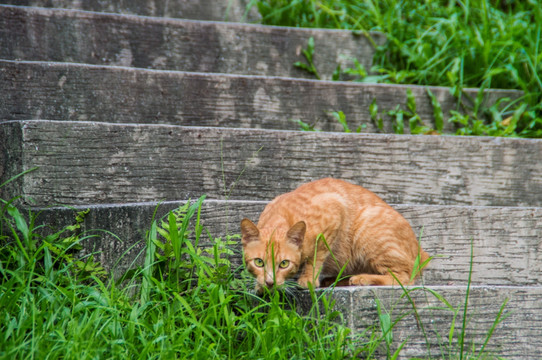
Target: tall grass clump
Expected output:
[460,44]
[183,302]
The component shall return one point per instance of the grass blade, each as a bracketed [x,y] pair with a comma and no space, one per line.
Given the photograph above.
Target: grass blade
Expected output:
[437,111]
[464,325]
[149,261]
[174,237]
[18,176]
[500,318]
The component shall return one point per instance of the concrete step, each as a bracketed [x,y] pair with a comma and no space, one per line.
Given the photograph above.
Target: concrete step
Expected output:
[518,336]
[80,92]
[505,239]
[42,34]
[85,162]
[230,10]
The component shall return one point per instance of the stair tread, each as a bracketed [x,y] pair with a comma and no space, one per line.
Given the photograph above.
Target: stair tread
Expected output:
[131,95]
[191,45]
[231,10]
[148,162]
[503,237]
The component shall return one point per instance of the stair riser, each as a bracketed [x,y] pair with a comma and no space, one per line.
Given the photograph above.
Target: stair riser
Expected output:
[93,38]
[82,163]
[517,337]
[230,10]
[61,91]
[505,240]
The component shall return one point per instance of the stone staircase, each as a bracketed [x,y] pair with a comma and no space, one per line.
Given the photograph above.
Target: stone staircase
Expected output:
[121,106]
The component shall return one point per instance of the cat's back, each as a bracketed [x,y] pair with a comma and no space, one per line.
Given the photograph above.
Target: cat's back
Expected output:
[332,190]
[324,196]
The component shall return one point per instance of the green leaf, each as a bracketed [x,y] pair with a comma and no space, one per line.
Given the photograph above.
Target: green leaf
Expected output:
[437,112]
[398,124]
[48,263]
[336,76]
[304,126]
[373,111]
[80,217]
[20,223]
[309,54]
[398,351]
[358,71]
[17,176]
[411,101]
[174,236]
[451,332]
[459,118]
[148,265]
[385,322]
[303,66]
[511,128]
[341,118]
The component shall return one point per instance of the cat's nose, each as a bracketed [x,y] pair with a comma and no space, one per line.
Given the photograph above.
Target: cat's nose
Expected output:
[269,282]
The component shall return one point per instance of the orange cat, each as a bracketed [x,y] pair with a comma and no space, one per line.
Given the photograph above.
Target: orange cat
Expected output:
[365,235]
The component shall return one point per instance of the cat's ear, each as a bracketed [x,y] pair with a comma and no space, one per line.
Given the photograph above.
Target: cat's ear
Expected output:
[249,232]
[296,234]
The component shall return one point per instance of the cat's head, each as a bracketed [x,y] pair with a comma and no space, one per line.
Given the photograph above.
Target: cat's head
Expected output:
[272,255]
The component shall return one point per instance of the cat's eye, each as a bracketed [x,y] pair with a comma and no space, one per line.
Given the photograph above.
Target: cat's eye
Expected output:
[258,262]
[284,264]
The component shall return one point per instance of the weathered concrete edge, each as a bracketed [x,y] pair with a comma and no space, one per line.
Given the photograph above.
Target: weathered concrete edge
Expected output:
[193,45]
[151,19]
[229,10]
[11,164]
[145,160]
[502,249]
[189,98]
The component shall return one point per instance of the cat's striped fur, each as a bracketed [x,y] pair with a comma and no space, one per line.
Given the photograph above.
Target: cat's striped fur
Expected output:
[366,236]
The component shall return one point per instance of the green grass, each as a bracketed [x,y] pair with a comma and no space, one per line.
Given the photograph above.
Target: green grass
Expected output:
[186,301]
[459,44]
[183,303]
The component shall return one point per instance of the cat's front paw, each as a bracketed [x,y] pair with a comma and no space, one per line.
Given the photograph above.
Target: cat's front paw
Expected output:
[359,280]
[372,279]
[305,280]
